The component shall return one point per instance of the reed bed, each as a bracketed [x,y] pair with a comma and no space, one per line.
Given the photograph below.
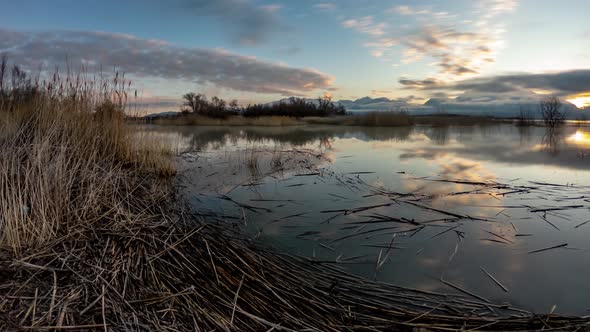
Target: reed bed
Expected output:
[93,238]
[185,273]
[232,120]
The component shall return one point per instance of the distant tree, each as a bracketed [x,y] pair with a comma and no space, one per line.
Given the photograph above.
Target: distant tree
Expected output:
[234,107]
[326,107]
[217,105]
[194,103]
[550,108]
[325,104]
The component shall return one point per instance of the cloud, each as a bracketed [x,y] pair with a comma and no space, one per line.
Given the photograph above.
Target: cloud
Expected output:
[376,30]
[425,84]
[248,23]
[158,59]
[493,8]
[381,92]
[559,83]
[325,6]
[458,50]
[456,53]
[366,25]
[409,11]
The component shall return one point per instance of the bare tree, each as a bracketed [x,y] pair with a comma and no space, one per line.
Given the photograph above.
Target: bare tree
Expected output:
[234,106]
[217,104]
[550,108]
[194,103]
[325,104]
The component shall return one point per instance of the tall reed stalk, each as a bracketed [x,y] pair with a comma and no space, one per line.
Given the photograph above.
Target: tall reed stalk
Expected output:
[66,154]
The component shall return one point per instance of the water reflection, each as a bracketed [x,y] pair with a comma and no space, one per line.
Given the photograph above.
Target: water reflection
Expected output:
[439,135]
[580,138]
[525,135]
[561,147]
[552,140]
[423,197]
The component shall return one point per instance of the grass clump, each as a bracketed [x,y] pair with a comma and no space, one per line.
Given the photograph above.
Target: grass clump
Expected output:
[65,151]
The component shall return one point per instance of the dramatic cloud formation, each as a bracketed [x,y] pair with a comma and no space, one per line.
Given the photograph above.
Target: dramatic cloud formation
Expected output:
[459,51]
[459,48]
[158,59]
[249,24]
[561,83]
[510,91]
[456,53]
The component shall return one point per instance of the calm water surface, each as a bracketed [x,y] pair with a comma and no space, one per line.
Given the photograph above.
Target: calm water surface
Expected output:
[378,202]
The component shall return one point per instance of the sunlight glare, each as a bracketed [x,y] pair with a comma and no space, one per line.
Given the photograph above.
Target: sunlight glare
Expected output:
[580,138]
[580,102]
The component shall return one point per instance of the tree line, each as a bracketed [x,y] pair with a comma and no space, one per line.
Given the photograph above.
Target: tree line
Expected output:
[196,103]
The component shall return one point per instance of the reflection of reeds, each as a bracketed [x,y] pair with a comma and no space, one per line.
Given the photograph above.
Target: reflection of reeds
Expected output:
[252,163]
[552,139]
[370,119]
[234,120]
[276,161]
[525,118]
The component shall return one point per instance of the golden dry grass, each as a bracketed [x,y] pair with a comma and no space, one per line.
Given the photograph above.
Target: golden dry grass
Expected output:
[67,156]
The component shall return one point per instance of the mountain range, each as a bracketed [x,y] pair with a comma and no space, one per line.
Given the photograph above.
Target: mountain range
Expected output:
[453,106]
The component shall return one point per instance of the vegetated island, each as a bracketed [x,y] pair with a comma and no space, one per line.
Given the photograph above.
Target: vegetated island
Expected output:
[198,110]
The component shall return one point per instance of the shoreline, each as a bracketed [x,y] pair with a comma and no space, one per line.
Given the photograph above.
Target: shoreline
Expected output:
[372,119]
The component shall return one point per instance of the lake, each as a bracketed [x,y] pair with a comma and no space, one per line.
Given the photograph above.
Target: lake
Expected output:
[498,211]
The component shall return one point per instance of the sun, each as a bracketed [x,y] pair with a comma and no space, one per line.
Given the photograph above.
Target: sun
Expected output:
[580,101]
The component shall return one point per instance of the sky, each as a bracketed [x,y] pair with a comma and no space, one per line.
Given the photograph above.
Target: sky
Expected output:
[471,51]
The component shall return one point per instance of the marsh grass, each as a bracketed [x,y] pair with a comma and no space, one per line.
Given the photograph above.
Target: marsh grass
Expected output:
[232,120]
[66,155]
